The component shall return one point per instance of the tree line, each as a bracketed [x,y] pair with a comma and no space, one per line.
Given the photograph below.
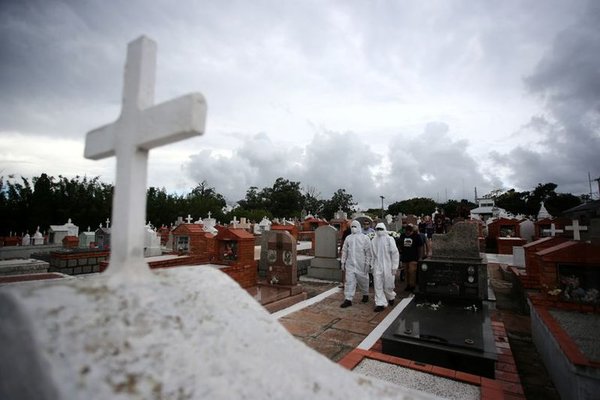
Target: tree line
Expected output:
[45,200]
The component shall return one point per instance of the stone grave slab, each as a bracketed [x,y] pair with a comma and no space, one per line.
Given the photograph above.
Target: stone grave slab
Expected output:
[326,264]
[422,333]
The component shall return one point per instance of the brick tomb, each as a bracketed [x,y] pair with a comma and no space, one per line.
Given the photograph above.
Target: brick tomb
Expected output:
[235,252]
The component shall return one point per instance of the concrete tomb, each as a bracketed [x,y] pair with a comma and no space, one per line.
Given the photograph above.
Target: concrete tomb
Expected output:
[57,233]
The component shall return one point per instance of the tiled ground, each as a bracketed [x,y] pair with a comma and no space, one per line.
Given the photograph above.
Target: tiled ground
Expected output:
[335,331]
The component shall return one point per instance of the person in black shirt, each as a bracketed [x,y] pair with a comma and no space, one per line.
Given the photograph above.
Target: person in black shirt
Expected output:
[411,251]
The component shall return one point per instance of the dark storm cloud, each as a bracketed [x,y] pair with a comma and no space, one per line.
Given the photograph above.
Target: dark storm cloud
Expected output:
[567,79]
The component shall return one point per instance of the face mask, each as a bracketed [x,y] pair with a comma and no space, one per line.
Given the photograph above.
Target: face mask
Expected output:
[354,229]
[381,233]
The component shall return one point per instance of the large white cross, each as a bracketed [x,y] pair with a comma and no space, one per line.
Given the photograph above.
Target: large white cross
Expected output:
[140,127]
[552,231]
[576,229]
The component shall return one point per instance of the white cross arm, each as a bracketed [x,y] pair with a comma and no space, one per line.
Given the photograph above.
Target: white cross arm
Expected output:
[172,121]
[100,143]
[158,125]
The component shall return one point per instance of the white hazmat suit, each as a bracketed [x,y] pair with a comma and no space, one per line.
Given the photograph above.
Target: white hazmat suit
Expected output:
[356,256]
[385,261]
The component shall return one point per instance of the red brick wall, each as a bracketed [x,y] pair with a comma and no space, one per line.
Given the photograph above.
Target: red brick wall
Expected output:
[505,245]
[245,275]
[532,266]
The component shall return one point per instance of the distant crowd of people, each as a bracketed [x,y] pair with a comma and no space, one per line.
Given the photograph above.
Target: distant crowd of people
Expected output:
[383,256]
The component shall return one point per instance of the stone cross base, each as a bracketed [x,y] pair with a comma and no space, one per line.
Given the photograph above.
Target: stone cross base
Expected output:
[326,269]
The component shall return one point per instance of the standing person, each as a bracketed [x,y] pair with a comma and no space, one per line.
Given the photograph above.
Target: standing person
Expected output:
[429,228]
[385,264]
[367,228]
[411,248]
[356,256]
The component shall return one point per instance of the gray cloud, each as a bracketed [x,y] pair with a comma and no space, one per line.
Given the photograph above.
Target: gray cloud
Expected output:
[568,136]
[434,165]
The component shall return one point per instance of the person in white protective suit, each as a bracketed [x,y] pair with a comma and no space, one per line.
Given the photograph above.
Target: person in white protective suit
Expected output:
[356,256]
[385,264]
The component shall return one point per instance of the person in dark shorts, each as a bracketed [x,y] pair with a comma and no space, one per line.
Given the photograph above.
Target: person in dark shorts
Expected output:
[411,251]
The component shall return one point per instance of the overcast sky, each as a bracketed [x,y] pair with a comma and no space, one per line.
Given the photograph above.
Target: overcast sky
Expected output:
[382,98]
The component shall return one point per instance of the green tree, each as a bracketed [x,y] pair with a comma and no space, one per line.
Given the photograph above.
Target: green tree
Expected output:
[457,209]
[202,200]
[416,206]
[514,202]
[254,199]
[162,208]
[285,198]
[561,202]
[312,202]
[339,201]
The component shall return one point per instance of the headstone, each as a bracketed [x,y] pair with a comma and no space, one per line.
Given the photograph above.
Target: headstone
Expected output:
[244,224]
[263,261]
[58,232]
[263,226]
[26,241]
[527,230]
[38,238]
[519,256]
[552,231]
[86,238]
[151,242]
[576,228]
[389,218]
[281,259]
[208,225]
[325,265]
[339,214]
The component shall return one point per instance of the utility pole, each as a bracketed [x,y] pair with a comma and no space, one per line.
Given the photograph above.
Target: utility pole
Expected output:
[382,207]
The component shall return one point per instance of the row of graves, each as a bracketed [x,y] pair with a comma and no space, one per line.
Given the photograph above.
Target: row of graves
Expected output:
[558,277]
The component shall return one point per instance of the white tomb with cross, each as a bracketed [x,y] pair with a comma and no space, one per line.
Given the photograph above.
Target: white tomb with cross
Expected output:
[187,332]
[552,231]
[576,228]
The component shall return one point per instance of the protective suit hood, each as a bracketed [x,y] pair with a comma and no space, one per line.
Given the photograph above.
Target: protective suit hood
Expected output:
[380,229]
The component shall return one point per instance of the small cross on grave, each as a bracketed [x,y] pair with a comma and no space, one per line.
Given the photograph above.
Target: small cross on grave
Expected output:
[140,127]
[553,231]
[189,219]
[108,222]
[576,229]
[209,213]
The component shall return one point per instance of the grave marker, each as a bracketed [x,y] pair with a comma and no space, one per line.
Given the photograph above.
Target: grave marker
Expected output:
[576,228]
[282,266]
[325,265]
[140,127]
[552,231]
